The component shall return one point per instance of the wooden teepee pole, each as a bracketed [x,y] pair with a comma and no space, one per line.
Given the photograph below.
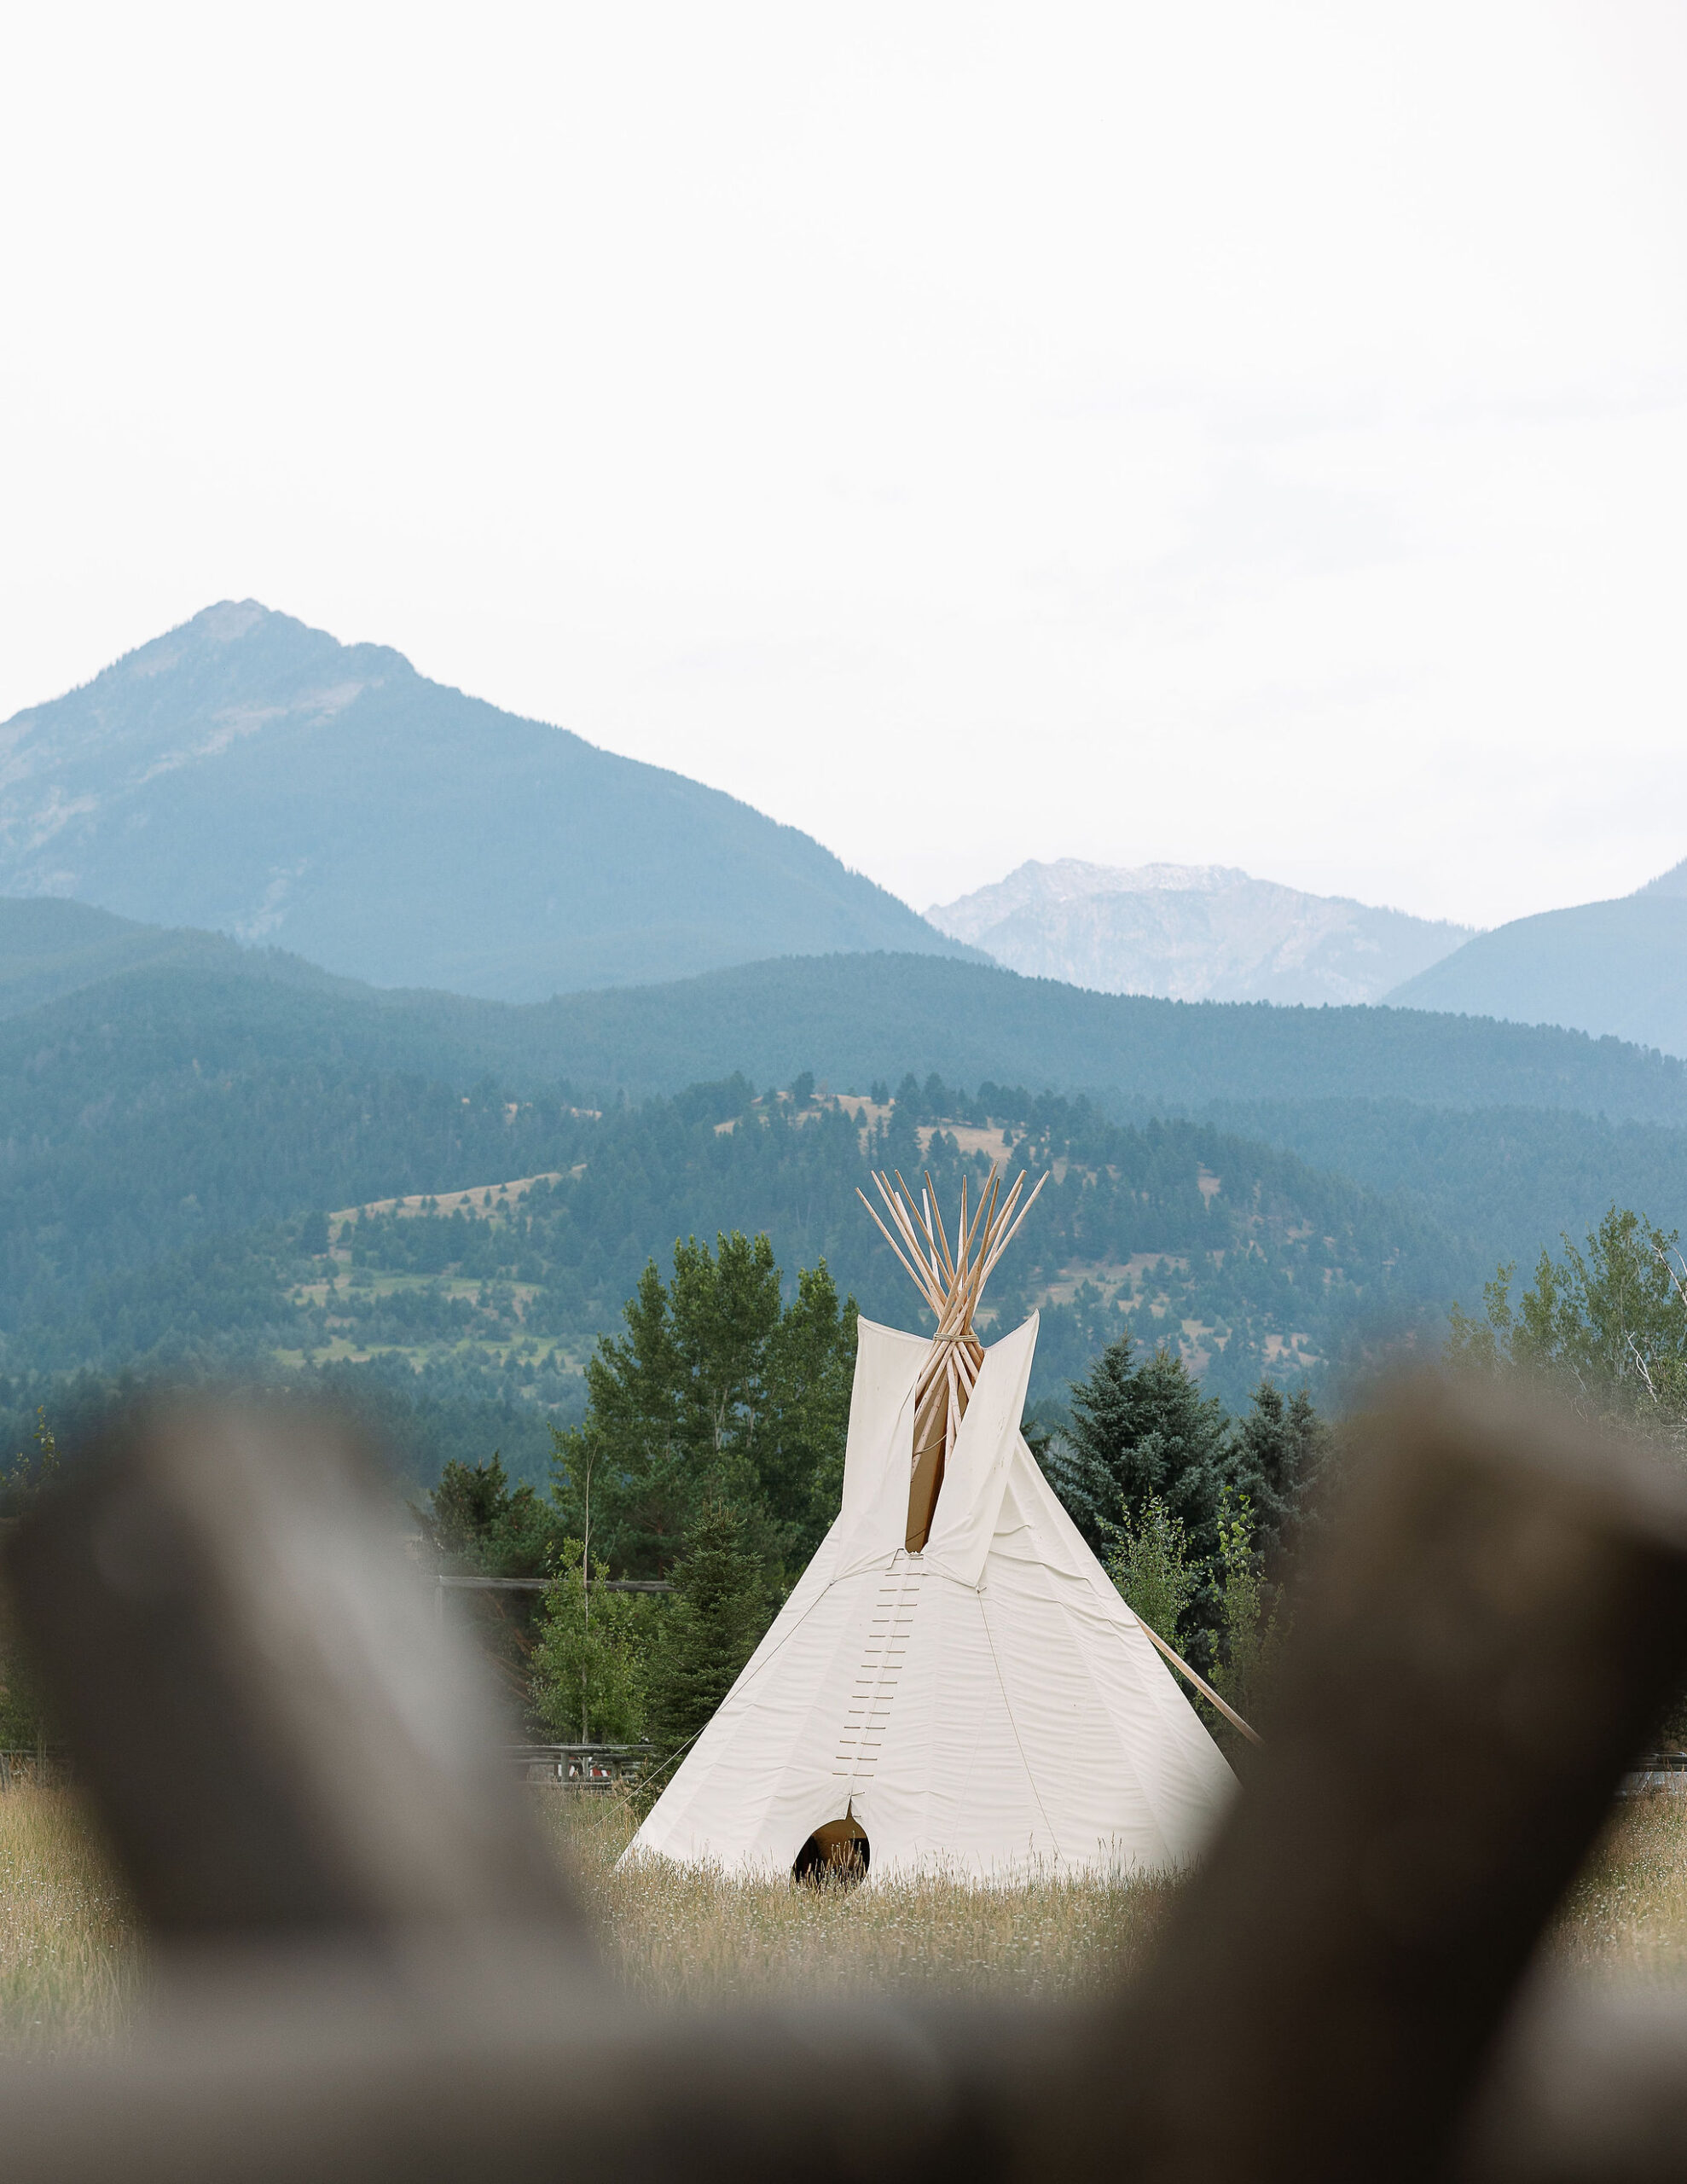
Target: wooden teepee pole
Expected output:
[950,1276]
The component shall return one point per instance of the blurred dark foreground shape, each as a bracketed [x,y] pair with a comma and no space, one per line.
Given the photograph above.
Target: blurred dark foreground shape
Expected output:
[368,1967]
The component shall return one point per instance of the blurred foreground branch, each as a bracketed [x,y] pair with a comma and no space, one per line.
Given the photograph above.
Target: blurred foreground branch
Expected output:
[367,1969]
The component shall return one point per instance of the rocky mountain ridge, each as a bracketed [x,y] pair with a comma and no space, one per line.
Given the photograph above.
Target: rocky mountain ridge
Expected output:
[1193,932]
[249,776]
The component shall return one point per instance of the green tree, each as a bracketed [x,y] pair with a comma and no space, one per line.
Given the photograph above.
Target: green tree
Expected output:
[590,1673]
[630,1444]
[1607,1323]
[798,1454]
[1139,1431]
[712,1625]
[1281,1446]
[1242,1644]
[715,1391]
[725,1311]
[482,1525]
[30,1475]
[1610,1320]
[1148,1561]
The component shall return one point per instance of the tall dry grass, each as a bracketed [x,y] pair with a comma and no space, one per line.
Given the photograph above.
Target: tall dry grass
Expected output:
[678,1936]
[70,1954]
[1625,1915]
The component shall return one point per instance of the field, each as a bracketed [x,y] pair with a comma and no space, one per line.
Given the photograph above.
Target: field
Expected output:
[675,1936]
[70,1954]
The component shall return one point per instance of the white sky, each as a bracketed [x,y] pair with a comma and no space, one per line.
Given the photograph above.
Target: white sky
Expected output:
[1248,433]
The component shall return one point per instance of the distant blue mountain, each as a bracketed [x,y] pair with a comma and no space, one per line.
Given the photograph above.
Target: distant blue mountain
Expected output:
[250,776]
[1617,968]
[109,1001]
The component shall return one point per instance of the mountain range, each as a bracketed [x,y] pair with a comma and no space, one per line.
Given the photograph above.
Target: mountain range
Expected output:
[1613,969]
[250,776]
[183,1112]
[294,931]
[1192,933]
[1617,969]
[119,989]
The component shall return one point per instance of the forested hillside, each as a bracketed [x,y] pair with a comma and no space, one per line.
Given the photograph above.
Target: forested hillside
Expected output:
[854,1018]
[1245,1256]
[50,947]
[850,1019]
[175,1135]
[1503,1181]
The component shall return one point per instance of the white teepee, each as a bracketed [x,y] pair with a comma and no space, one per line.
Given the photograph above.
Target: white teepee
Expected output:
[955,1684]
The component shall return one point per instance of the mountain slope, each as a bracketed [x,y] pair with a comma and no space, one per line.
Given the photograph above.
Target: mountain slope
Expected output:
[1192,933]
[850,1019]
[179,1219]
[173,1134]
[50,947]
[1616,969]
[854,1018]
[251,776]
[1506,1183]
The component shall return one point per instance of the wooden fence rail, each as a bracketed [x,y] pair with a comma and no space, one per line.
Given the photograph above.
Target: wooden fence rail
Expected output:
[582,1766]
[543,1584]
[369,1968]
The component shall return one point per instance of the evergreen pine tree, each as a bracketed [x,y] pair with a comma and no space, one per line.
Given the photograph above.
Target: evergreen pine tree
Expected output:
[805,1423]
[712,1626]
[1279,1449]
[479,1522]
[1145,1442]
[1139,1431]
[715,1392]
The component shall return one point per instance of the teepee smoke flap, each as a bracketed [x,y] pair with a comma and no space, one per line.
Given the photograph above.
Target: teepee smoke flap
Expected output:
[952,1283]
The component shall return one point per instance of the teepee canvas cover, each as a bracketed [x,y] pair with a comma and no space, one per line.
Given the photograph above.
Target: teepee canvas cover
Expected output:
[983,1702]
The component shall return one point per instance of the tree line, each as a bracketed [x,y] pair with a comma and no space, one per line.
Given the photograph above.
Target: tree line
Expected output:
[120,1249]
[711,1451]
[712,1454]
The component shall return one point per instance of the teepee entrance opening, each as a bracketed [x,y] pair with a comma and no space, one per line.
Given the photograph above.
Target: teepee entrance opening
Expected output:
[838,1853]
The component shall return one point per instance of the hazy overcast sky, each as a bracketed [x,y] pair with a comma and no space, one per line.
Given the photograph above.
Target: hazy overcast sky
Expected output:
[1252,433]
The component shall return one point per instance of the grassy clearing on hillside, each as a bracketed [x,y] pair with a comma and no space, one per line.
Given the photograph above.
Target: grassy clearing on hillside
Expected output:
[70,1953]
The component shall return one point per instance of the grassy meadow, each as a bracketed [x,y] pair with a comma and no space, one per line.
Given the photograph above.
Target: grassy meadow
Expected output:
[672,1935]
[70,1951]
[69,1947]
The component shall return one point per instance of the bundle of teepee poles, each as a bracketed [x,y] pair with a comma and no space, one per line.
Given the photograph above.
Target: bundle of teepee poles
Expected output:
[951,1282]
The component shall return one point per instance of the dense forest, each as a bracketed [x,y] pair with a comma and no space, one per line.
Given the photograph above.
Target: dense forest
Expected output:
[1249,1259]
[850,1019]
[1501,1180]
[174,1138]
[1248,1252]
